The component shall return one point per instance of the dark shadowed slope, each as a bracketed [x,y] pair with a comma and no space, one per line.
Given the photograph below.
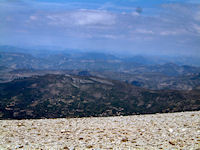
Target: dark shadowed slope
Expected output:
[52,96]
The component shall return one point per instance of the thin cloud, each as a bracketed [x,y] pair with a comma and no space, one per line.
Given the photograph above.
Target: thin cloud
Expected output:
[144,31]
[119,26]
[197,28]
[85,17]
[81,18]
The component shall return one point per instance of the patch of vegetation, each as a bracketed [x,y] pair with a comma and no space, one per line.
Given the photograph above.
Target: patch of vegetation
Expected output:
[43,97]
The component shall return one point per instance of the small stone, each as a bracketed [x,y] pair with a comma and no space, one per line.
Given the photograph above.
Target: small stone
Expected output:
[62,131]
[89,146]
[19,146]
[66,148]
[171,130]
[172,142]
[142,130]
[124,140]
[184,129]
[80,138]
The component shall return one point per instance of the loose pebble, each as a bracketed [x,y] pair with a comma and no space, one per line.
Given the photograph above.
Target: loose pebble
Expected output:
[170,130]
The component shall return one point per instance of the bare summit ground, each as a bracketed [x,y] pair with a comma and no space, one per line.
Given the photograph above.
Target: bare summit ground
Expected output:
[159,131]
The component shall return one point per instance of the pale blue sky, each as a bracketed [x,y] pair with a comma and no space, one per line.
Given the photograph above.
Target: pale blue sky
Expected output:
[132,26]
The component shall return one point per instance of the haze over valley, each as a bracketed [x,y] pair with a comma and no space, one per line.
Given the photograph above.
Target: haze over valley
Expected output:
[131,61]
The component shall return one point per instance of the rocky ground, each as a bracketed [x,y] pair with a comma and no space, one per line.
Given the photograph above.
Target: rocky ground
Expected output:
[159,131]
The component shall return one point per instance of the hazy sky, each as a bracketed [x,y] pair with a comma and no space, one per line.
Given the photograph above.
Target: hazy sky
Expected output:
[135,26]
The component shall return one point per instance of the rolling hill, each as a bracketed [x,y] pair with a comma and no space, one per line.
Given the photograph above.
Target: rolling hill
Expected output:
[53,96]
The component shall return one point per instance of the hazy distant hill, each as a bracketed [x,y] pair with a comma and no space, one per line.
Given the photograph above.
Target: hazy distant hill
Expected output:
[99,84]
[55,53]
[155,80]
[54,96]
[137,70]
[91,62]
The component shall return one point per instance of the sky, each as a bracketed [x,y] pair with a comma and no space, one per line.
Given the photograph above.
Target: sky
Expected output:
[150,27]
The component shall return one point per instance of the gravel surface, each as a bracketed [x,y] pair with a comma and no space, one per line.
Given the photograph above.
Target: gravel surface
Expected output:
[159,131]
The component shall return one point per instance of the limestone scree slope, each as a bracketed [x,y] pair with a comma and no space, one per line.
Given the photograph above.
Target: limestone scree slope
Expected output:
[158,131]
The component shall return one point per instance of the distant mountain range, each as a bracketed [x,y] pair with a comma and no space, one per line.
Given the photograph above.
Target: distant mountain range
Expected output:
[155,80]
[48,58]
[51,84]
[23,63]
[90,62]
